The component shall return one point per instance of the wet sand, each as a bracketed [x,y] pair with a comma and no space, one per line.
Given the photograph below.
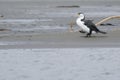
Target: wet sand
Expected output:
[60,40]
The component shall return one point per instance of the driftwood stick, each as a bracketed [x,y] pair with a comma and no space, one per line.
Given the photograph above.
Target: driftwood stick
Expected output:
[71,26]
[106,19]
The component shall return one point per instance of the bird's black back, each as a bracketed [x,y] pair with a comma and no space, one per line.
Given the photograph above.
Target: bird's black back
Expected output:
[91,25]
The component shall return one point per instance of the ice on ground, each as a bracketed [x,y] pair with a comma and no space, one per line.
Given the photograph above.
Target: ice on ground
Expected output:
[60,64]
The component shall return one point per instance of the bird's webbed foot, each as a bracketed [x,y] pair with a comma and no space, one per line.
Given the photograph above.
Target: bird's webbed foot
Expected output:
[88,35]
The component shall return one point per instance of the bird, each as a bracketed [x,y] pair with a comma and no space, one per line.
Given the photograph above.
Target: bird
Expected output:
[87,26]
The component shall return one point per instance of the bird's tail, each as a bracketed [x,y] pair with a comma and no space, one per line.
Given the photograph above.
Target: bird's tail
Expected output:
[102,32]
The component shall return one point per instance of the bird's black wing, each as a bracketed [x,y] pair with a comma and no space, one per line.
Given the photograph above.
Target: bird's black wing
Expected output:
[91,25]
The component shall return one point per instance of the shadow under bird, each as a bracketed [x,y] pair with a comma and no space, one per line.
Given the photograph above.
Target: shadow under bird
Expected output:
[87,26]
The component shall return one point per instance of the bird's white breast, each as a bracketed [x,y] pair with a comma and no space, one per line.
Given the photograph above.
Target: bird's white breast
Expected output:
[82,25]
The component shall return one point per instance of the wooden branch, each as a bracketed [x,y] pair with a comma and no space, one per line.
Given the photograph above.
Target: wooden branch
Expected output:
[106,19]
[71,26]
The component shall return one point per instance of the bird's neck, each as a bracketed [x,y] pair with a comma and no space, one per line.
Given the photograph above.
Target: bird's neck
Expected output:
[81,19]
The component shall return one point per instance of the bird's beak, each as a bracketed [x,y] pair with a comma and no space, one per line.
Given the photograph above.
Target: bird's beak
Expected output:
[76,15]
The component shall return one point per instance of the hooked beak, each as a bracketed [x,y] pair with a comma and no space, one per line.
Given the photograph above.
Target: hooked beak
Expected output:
[77,15]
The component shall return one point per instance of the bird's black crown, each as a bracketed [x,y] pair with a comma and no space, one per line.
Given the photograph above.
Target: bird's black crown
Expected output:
[80,13]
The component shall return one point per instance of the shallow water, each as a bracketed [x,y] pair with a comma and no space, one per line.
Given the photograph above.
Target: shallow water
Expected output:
[60,64]
[38,17]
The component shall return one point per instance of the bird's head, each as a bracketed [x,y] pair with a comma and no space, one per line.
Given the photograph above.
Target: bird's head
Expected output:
[81,16]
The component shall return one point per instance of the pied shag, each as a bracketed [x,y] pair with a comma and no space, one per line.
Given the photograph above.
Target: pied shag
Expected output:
[87,26]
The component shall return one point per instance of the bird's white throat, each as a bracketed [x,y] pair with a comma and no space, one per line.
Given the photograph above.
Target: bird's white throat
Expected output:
[81,16]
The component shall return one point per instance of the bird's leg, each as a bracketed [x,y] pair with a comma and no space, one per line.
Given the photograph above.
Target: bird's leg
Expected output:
[89,34]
